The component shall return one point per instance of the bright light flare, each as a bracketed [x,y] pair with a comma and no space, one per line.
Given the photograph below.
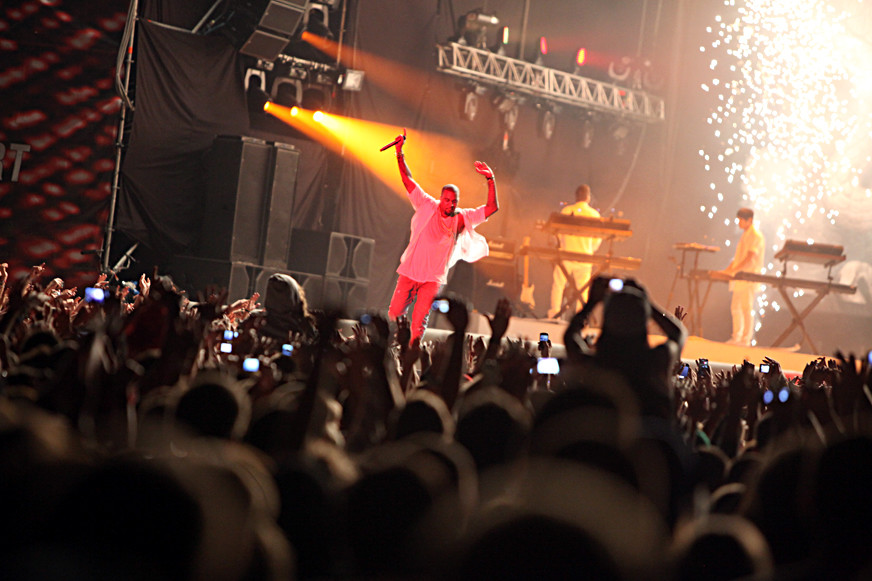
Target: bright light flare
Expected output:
[791,130]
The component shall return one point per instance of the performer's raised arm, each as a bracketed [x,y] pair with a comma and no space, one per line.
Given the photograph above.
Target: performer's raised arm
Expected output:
[401,163]
[492,202]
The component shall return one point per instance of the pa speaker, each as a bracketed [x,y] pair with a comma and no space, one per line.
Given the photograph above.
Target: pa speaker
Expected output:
[331,254]
[283,16]
[280,205]
[264,45]
[194,274]
[278,22]
[237,177]
[348,296]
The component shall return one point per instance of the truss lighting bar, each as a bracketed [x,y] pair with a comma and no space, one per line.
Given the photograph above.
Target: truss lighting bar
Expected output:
[488,68]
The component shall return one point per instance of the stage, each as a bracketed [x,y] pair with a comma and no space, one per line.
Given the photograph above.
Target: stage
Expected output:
[720,355]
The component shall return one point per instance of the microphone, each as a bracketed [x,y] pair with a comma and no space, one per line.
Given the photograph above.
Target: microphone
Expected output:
[398,140]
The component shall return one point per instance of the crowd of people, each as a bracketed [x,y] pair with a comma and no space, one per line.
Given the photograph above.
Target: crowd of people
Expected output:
[147,434]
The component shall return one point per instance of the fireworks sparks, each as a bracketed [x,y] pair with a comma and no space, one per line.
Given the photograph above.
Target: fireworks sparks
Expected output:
[790,117]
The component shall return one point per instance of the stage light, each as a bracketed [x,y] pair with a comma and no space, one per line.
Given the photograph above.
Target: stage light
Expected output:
[504,41]
[295,111]
[580,57]
[510,116]
[318,116]
[315,98]
[547,123]
[472,28]
[286,91]
[257,99]
[351,80]
[542,52]
[469,108]
[587,132]
[309,42]
[620,131]
[620,71]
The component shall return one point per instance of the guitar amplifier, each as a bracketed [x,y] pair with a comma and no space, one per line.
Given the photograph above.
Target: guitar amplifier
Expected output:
[501,249]
[484,282]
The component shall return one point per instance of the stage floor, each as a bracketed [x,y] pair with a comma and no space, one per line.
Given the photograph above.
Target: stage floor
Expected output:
[720,355]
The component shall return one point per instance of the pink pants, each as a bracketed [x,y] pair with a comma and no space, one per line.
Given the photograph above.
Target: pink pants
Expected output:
[422,294]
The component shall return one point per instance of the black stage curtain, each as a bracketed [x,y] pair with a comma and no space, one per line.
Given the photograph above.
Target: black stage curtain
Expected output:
[188,90]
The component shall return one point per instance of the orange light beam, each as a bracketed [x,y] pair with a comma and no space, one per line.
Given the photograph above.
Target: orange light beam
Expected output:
[433,159]
[389,75]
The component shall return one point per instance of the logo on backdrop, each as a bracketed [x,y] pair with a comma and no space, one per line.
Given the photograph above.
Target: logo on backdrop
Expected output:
[19,149]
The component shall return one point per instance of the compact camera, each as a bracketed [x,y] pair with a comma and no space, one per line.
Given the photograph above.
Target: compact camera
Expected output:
[548,366]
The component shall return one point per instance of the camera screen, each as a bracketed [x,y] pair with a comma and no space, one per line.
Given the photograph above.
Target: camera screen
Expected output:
[287,349]
[226,348]
[440,305]
[230,335]
[548,366]
[94,295]
[616,284]
[251,364]
[543,337]
[764,368]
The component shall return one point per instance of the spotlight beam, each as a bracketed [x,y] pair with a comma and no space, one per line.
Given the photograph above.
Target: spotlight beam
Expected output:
[362,140]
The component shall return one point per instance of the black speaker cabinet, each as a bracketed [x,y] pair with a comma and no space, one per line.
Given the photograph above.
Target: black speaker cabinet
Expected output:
[331,254]
[485,282]
[348,296]
[277,24]
[280,206]
[238,173]
[195,274]
[494,279]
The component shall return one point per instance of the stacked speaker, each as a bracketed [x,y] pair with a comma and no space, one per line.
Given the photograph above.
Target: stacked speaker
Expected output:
[490,279]
[342,260]
[259,28]
[246,233]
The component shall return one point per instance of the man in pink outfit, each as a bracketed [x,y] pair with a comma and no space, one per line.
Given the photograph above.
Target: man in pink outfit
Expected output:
[441,234]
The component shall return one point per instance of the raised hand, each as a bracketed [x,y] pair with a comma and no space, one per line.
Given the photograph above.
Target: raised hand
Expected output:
[849,384]
[482,168]
[499,323]
[457,315]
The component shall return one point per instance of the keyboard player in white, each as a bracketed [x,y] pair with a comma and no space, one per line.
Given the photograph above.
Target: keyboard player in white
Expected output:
[580,271]
[748,258]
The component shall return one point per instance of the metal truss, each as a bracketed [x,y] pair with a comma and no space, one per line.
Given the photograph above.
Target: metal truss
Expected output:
[500,72]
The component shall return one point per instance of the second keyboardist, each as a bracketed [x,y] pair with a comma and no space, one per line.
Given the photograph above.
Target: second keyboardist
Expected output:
[580,271]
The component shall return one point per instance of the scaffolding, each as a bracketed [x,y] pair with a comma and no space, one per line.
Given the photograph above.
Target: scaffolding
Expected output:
[483,67]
